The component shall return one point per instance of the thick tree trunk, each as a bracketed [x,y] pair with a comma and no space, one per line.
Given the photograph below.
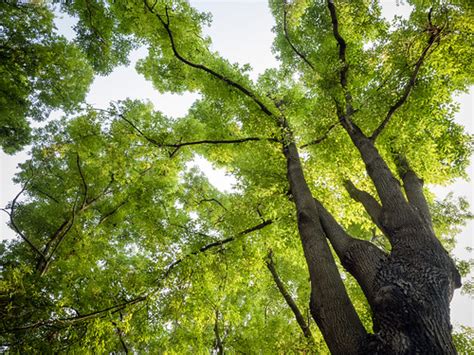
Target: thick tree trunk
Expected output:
[411,307]
[415,284]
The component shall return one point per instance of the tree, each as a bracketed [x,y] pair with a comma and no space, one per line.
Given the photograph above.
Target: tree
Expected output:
[123,247]
[41,70]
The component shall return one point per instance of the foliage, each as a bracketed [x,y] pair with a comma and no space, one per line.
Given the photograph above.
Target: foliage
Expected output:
[135,250]
[40,71]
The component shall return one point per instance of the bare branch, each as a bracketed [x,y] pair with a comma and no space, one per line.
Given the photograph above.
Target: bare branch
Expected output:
[289,300]
[213,200]
[178,146]
[435,35]
[287,36]
[217,244]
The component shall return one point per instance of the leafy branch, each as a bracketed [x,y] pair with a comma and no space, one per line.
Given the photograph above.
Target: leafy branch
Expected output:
[177,146]
[287,37]
[434,36]
[118,307]
[14,225]
[177,54]
[322,138]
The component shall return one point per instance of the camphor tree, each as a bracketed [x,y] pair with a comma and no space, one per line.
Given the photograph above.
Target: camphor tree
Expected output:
[329,240]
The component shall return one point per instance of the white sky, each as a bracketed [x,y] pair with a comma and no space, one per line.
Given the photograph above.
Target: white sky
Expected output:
[241,32]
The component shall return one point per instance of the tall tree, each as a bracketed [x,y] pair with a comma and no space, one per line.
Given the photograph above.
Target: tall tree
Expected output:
[123,247]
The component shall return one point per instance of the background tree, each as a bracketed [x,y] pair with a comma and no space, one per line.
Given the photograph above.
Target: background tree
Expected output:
[123,247]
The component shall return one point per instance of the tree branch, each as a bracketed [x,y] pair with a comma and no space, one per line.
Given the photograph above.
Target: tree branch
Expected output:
[14,225]
[322,138]
[217,244]
[330,305]
[371,205]
[343,116]
[413,187]
[361,258]
[408,86]
[218,345]
[289,300]
[84,183]
[177,146]
[120,306]
[287,36]
[177,54]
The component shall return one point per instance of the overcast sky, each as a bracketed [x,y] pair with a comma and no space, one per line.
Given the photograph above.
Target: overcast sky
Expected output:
[241,32]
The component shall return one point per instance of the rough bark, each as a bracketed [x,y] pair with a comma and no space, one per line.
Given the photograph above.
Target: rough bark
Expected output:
[360,258]
[415,284]
[330,305]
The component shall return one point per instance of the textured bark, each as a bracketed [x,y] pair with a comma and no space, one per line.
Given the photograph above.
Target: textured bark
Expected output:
[415,284]
[413,186]
[360,258]
[330,305]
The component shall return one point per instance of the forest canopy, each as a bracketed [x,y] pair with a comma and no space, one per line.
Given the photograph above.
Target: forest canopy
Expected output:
[330,241]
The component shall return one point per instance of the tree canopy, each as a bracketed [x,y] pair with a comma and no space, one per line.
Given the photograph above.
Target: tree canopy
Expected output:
[122,246]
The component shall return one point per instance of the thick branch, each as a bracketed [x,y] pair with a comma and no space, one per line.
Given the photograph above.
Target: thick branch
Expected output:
[330,305]
[360,257]
[287,36]
[345,117]
[371,205]
[289,300]
[204,68]
[413,187]
[341,42]
[408,86]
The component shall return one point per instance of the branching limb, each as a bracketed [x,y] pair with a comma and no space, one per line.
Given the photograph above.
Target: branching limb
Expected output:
[413,187]
[435,35]
[371,205]
[287,36]
[14,225]
[120,306]
[177,54]
[330,305]
[322,138]
[178,146]
[360,257]
[289,300]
